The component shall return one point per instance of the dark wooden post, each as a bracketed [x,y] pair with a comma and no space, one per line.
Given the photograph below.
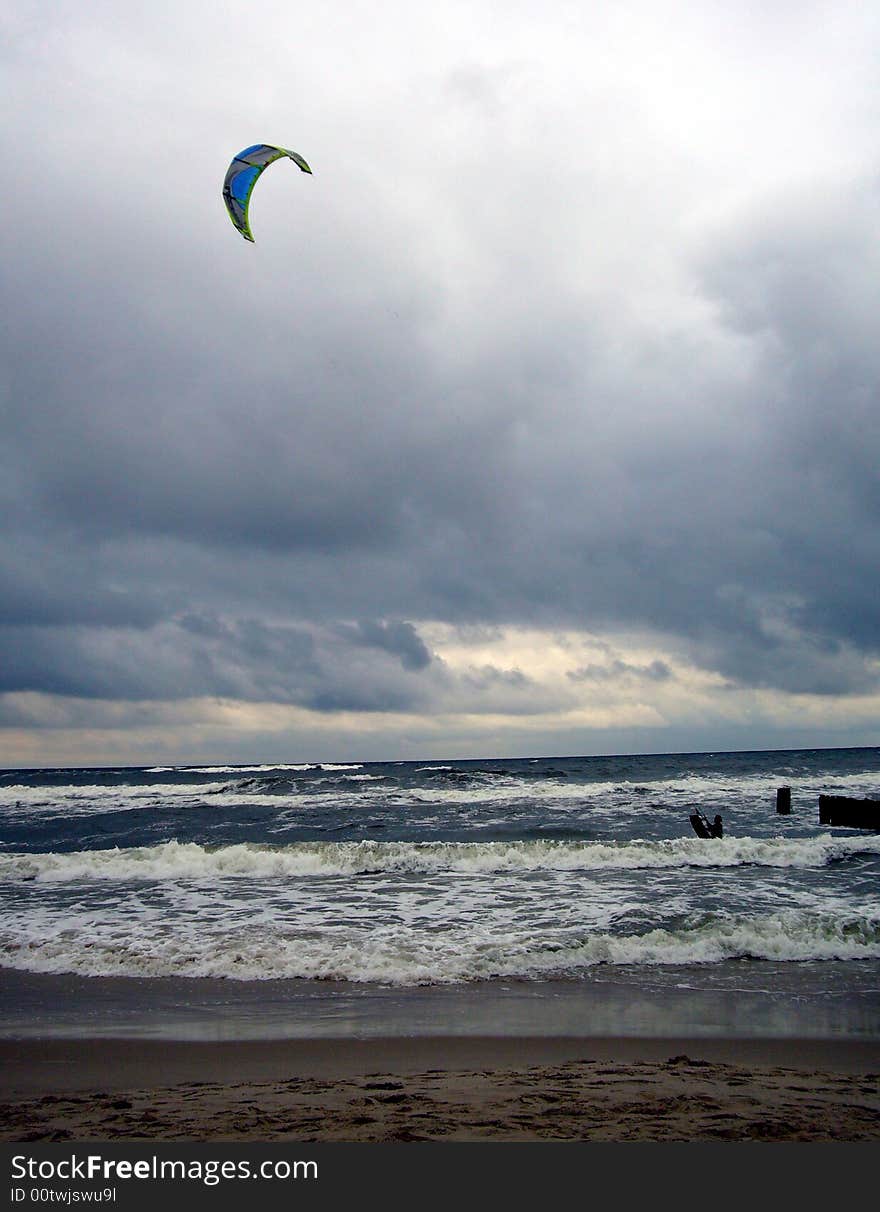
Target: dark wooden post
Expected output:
[783,800]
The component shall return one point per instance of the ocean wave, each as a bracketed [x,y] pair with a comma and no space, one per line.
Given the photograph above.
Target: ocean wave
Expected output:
[189,860]
[316,778]
[403,955]
[747,797]
[264,769]
[74,801]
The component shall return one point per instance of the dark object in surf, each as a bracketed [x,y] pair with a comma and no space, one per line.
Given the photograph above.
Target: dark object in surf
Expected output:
[783,801]
[849,813]
[703,827]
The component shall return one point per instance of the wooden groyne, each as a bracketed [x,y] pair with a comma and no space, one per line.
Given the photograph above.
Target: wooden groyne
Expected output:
[851,813]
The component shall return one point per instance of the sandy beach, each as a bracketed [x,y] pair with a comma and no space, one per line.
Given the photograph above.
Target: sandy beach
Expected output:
[432,1089]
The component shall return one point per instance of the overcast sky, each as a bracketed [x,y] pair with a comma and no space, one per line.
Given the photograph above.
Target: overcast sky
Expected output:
[541,419]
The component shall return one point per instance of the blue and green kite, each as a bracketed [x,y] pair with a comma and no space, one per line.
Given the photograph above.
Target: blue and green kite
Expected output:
[241,177]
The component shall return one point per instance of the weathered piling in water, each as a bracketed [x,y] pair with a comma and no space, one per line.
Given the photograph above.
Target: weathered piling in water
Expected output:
[783,800]
[850,813]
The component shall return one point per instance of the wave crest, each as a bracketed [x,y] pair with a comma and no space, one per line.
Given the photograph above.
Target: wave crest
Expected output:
[405,956]
[189,860]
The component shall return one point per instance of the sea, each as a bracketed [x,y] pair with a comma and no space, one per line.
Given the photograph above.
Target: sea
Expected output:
[542,896]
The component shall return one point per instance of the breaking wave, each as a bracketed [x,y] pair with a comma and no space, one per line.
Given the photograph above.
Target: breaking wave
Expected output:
[191,861]
[404,955]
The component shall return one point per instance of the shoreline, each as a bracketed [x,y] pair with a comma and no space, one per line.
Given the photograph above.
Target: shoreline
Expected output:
[622,1056]
[835,1000]
[460,1088]
[36,1067]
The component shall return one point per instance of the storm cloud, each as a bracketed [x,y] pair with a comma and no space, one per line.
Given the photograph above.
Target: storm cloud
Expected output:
[572,333]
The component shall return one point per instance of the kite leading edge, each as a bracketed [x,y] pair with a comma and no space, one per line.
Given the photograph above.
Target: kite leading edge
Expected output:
[242,175]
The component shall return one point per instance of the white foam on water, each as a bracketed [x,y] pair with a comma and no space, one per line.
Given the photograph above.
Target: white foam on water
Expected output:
[299,768]
[190,860]
[263,768]
[360,790]
[55,802]
[403,954]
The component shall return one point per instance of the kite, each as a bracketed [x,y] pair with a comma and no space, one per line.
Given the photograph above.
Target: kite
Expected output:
[241,177]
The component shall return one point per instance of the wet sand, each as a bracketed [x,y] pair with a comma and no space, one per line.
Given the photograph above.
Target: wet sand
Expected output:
[441,1089]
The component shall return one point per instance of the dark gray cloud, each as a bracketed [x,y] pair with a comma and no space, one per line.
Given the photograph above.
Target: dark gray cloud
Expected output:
[484,495]
[369,668]
[617,671]
[400,639]
[467,374]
